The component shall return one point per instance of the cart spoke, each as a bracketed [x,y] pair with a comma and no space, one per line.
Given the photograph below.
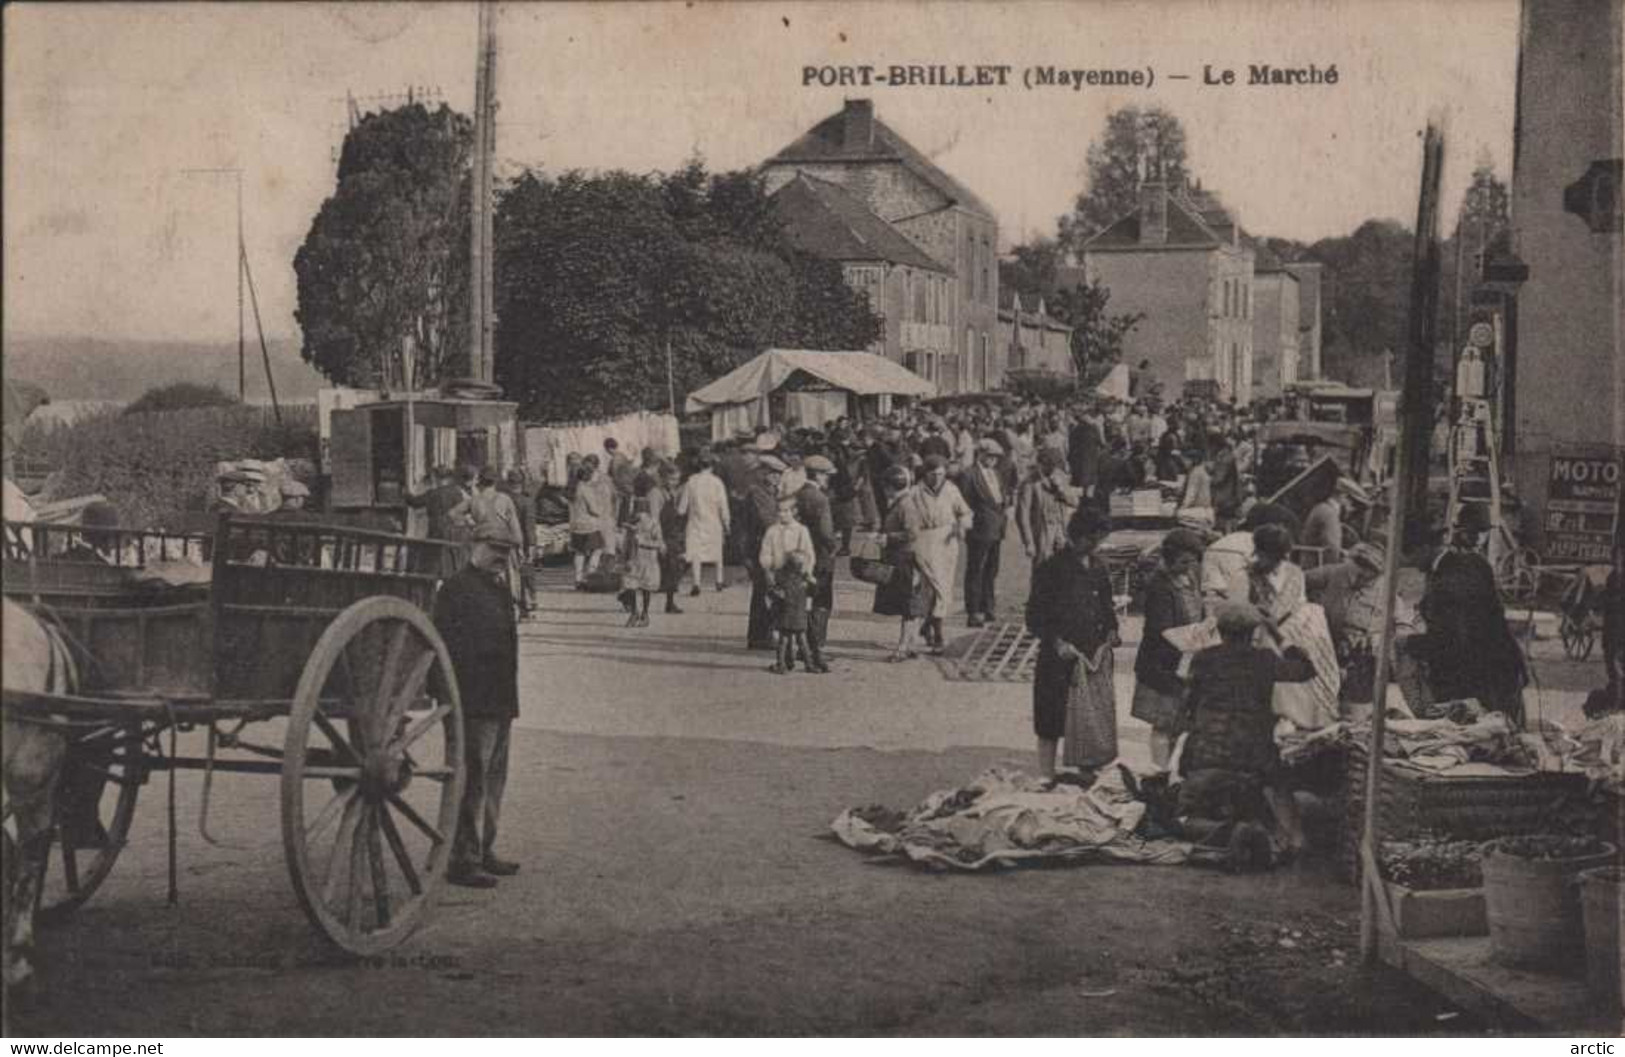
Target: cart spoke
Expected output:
[328,813]
[435,774]
[391,663]
[375,857]
[338,740]
[324,773]
[411,687]
[342,845]
[420,728]
[416,819]
[358,853]
[398,846]
[70,862]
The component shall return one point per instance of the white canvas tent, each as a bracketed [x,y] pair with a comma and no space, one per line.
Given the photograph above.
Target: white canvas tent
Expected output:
[1115,384]
[817,387]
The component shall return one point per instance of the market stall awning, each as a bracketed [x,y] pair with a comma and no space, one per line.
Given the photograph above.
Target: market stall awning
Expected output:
[21,398]
[862,373]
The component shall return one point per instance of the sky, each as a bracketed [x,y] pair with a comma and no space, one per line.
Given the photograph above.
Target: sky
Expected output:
[107,106]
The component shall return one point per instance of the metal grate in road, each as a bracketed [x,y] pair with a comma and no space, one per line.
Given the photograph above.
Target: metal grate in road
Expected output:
[999,653]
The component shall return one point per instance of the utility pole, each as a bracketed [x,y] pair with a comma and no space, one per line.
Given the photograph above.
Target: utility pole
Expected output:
[482,304]
[1416,416]
[242,371]
[1416,420]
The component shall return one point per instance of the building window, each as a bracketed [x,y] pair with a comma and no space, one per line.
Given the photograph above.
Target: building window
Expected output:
[967,265]
[987,362]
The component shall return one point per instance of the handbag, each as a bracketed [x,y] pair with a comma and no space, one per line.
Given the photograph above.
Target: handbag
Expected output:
[869,562]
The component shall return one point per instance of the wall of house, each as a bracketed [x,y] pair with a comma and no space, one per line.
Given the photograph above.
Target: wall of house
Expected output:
[1172,288]
[1571,346]
[1230,321]
[1308,274]
[1275,333]
[964,241]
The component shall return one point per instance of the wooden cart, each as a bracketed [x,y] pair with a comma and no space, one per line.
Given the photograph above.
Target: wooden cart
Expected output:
[269,626]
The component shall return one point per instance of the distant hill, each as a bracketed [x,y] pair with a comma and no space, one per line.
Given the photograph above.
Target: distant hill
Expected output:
[79,368]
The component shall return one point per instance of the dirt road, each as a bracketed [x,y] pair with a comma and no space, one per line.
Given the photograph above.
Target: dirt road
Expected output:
[670,802]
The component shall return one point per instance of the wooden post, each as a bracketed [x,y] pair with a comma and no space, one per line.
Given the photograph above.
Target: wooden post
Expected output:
[1416,413]
[1413,449]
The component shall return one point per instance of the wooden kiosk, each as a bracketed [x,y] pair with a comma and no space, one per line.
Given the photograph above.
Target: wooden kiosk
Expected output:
[380,453]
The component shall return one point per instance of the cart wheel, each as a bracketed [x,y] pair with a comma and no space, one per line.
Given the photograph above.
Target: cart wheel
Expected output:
[105,766]
[375,739]
[1577,638]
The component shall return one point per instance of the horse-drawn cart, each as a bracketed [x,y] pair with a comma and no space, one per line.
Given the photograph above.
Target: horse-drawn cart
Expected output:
[314,637]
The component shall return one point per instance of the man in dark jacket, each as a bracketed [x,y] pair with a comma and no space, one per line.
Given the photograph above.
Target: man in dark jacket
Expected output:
[814,510]
[474,614]
[1085,447]
[761,509]
[989,497]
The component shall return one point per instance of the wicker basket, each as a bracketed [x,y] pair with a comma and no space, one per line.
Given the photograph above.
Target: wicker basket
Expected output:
[1463,808]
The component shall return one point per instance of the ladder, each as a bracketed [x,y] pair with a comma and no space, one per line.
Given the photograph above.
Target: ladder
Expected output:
[1475,472]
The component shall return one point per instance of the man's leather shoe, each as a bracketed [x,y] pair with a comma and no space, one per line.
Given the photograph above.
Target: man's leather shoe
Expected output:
[499,867]
[470,877]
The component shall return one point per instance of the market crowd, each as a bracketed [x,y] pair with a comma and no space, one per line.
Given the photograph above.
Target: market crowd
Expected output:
[1257,614]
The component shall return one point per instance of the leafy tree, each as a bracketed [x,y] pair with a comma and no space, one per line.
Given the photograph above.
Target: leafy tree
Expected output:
[384,267]
[179,395]
[1097,335]
[1033,267]
[599,275]
[1365,293]
[1139,143]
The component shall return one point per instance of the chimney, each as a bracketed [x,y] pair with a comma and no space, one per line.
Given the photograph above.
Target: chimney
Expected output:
[1153,213]
[858,124]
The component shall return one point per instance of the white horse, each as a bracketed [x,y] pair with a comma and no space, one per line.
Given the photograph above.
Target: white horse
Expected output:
[36,659]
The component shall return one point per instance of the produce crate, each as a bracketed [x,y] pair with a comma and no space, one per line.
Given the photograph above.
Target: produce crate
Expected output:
[1464,808]
[1421,915]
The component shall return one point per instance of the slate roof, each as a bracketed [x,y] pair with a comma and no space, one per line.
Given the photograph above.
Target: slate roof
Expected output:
[825,142]
[1186,230]
[828,221]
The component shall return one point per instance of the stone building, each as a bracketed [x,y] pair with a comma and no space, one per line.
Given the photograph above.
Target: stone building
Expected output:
[954,335]
[1180,259]
[1565,362]
[1275,325]
[908,290]
[1033,339]
[1308,274]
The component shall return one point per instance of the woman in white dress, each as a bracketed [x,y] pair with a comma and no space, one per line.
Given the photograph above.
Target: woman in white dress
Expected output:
[704,502]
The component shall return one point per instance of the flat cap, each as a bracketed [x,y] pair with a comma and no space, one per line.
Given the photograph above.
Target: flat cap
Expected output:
[773,463]
[989,445]
[1368,555]
[817,464]
[768,441]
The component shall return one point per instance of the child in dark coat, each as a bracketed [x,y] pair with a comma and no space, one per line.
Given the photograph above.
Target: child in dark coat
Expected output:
[789,599]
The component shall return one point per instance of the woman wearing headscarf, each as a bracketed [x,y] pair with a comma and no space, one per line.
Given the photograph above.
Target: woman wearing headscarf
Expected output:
[1070,612]
[1173,599]
[1467,647]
